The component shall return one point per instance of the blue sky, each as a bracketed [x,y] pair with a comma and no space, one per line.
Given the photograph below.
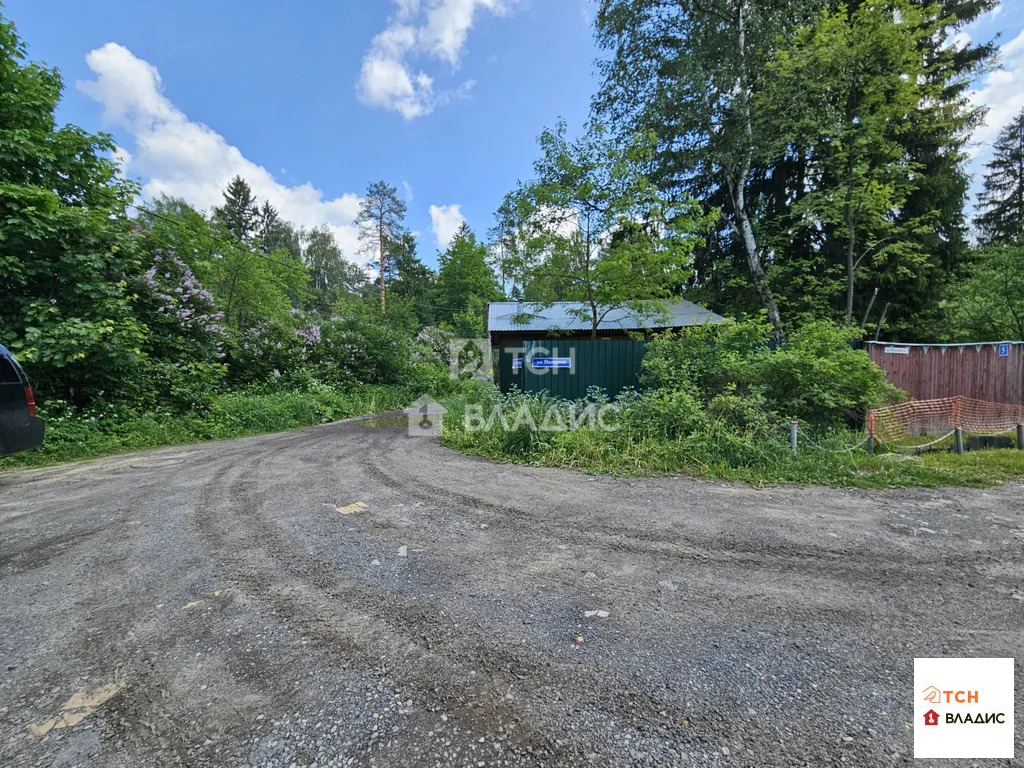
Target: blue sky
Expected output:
[311,100]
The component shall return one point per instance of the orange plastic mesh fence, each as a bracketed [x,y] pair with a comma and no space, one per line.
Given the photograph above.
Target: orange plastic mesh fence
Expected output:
[929,417]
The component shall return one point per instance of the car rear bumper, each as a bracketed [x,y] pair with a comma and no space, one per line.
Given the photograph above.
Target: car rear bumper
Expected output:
[25,438]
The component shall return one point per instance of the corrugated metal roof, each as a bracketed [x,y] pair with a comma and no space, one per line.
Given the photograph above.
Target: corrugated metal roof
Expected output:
[503,316]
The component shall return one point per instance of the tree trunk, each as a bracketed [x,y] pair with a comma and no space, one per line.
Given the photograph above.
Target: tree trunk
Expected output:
[849,283]
[380,277]
[737,186]
[743,228]
[851,264]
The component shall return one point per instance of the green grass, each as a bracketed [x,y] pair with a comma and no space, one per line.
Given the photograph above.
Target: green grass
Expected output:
[983,467]
[78,436]
[715,450]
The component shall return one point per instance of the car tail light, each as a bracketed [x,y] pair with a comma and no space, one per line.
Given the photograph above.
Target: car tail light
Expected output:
[30,399]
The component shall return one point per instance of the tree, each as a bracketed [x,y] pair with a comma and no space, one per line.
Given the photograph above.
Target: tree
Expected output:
[381,222]
[845,86]
[276,234]
[66,251]
[596,227]
[240,214]
[1002,197]
[987,304]
[332,276]
[465,280]
[250,287]
[411,279]
[688,71]
[675,67]
[934,140]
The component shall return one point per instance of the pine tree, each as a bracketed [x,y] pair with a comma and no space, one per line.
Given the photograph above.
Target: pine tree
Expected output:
[240,214]
[1002,197]
[381,222]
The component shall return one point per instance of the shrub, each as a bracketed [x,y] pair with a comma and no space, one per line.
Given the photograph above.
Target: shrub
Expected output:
[816,376]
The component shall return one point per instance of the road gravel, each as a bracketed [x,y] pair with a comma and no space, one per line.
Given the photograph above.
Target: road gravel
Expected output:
[348,595]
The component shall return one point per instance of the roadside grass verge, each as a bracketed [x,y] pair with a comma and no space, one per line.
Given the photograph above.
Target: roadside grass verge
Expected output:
[105,430]
[648,437]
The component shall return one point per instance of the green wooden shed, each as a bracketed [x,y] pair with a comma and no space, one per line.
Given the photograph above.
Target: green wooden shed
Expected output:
[551,346]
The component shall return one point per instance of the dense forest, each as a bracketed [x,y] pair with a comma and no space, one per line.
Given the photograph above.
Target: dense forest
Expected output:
[801,161]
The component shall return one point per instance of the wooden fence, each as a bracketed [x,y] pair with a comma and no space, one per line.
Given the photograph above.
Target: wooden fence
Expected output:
[992,371]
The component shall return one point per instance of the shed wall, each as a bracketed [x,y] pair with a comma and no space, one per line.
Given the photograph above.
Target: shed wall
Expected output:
[611,365]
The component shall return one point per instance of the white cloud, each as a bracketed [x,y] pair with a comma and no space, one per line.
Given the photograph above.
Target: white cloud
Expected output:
[445,220]
[407,188]
[122,157]
[448,23]
[437,31]
[177,156]
[1002,92]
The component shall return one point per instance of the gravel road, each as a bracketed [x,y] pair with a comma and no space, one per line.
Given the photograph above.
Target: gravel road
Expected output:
[210,605]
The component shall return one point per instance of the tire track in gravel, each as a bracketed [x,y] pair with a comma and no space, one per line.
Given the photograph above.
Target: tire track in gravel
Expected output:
[858,566]
[412,637]
[348,621]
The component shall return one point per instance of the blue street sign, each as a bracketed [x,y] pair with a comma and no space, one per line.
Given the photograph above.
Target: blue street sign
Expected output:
[1004,350]
[517,364]
[551,362]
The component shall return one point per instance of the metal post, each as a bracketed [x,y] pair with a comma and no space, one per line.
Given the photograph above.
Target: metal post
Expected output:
[871,445]
[1020,437]
[958,441]
[792,436]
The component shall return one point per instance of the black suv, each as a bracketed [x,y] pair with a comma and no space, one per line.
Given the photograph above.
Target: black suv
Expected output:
[20,428]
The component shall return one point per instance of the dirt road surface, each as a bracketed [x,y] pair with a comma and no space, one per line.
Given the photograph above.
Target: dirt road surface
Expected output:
[210,605]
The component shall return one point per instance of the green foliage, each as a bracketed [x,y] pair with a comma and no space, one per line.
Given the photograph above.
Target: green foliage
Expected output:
[684,72]
[65,247]
[381,221]
[106,427]
[819,378]
[332,276]
[249,286]
[870,55]
[671,432]
[1001,201]
[816,376]
[987,303]
[411,280]
[240,213]
[592,228]
[465,283]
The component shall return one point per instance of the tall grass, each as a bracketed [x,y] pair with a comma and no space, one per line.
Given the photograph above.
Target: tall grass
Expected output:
[661,433]
[106,429]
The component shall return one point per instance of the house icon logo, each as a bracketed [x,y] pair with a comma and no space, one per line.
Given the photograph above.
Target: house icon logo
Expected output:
[931,717]
[424,417]
[932,695]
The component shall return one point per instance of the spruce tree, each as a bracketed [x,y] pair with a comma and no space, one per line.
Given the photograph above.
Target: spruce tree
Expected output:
[1001,201]
[240,213]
